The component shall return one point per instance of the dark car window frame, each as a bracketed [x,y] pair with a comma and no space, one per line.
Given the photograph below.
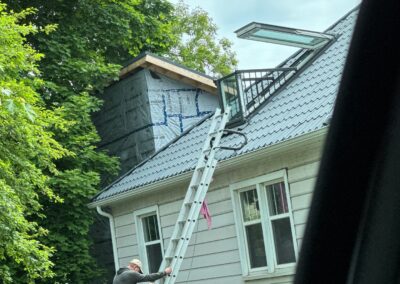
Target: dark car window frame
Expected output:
[353,229]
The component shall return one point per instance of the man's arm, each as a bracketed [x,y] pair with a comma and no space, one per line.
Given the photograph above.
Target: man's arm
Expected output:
[153,276]
[150,277]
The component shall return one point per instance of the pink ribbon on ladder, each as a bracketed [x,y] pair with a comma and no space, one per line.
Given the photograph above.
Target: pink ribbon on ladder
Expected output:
[206,213]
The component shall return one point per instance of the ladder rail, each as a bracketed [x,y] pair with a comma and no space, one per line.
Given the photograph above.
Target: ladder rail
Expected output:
[190,225]
[189,192]
[194,197]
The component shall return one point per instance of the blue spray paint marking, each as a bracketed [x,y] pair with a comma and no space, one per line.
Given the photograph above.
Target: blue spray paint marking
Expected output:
[181,117]
[198,112]
[165,110]
[178,115]
[166,115]
[196,99]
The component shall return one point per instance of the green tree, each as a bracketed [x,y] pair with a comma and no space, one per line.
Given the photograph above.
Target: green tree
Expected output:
[27,154]
[82,55]
[81,58]
[197,46]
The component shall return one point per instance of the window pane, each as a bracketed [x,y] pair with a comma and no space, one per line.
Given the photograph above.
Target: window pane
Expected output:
[230,95]
[277,201]
[250,208]
[154,257]
[283,241]
[150,228]
[256,247]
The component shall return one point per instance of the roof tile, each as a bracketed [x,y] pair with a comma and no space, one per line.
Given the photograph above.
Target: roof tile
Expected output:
[301,107]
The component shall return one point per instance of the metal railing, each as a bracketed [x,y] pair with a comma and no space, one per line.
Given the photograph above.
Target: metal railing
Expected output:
[245,90]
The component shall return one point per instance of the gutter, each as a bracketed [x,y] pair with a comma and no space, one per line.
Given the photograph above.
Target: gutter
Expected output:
[268,150]
[113,239]
[234,161]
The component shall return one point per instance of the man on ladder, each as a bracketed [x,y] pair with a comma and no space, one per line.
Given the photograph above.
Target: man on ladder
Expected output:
[133,274]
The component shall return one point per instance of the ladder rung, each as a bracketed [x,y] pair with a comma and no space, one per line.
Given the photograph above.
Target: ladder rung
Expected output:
[190,209]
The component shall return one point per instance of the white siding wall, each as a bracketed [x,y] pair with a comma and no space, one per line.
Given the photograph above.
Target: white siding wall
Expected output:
[301,180]
[212,256]
[211,253]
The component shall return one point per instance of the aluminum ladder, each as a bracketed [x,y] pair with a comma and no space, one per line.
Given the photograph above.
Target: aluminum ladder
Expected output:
[195,195]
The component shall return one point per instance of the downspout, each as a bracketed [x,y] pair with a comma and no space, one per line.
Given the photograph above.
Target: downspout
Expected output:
[113,239]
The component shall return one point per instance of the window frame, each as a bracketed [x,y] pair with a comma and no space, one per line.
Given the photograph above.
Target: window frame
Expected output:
[142,245]
[259,183]
[283,35]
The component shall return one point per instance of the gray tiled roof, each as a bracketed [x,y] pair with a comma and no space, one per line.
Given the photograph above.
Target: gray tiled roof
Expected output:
[301,107]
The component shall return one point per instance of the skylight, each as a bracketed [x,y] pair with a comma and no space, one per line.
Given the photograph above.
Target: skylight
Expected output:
[283,35]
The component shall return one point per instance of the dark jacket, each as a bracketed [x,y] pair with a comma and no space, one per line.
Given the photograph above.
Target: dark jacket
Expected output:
[127,276]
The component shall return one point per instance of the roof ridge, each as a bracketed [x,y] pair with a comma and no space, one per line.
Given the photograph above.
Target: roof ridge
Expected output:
[342,18]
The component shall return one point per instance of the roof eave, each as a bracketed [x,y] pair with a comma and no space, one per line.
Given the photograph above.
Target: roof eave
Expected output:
[170,70]
[235,161]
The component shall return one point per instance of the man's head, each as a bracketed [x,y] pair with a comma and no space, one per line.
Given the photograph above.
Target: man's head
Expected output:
[136,265]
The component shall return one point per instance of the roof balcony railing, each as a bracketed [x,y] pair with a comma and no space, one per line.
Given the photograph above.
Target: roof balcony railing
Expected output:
[245,90]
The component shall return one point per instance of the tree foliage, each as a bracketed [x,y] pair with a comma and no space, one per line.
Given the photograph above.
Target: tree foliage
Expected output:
[84,43]
[82,56]
[94,36]
[198,47]
[27,154]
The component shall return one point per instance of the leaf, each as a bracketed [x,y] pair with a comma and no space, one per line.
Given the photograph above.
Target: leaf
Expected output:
[6,92]
[10,105]
[29,112]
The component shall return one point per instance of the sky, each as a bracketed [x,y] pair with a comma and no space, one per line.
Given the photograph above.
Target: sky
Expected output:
[230,15]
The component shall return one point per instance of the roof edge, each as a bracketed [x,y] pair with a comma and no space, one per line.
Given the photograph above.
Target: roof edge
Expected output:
[342,18]
[155,154]
[170,69]
[234,161]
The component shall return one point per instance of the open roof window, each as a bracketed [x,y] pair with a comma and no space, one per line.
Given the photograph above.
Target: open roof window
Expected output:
[283,35]
[246,90]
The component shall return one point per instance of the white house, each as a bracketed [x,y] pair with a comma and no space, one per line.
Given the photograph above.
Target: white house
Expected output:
[260,195]
[154,101]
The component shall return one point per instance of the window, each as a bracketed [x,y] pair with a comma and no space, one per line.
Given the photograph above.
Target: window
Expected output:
[264,224]
[230,97]
[149,239]
[283,35]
